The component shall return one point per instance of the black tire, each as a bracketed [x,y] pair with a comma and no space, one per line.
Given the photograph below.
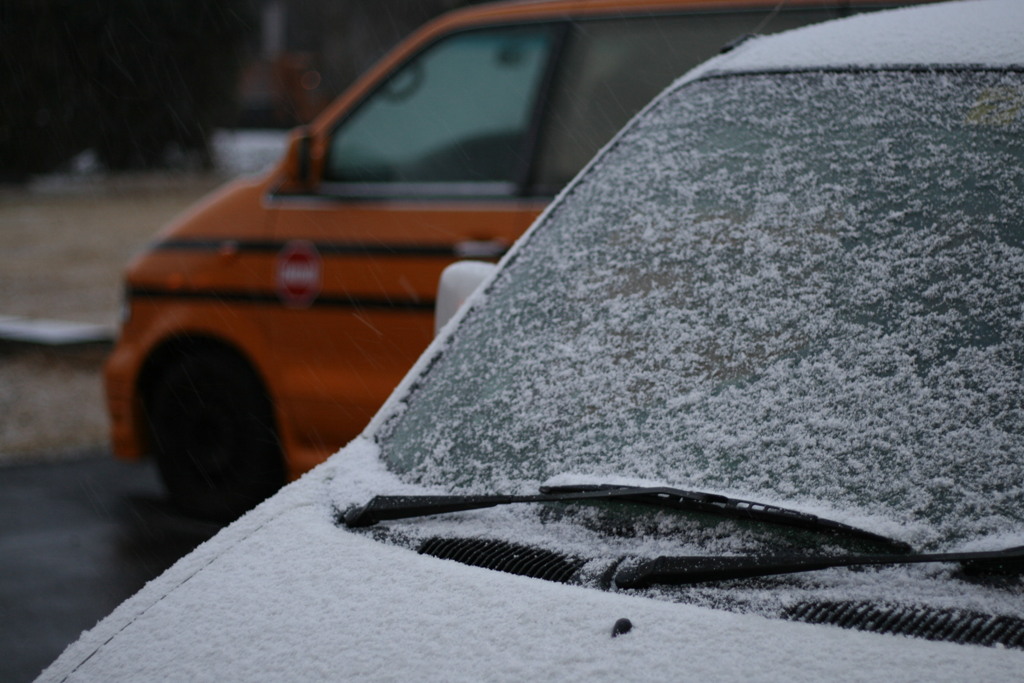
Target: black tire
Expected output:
[213,432]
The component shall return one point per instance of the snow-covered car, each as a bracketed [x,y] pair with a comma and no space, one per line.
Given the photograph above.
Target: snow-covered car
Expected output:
[746,402]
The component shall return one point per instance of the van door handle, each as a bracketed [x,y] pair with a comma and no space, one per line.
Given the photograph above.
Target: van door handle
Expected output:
[480,248]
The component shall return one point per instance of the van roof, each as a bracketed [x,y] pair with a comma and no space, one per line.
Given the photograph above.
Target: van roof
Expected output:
[968,32]
[519,10]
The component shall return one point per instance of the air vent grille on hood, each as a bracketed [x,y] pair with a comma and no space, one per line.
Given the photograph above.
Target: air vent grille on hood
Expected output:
[504,557]
[967,628]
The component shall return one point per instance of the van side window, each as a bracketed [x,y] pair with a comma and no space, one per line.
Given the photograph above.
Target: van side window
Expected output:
[458,113]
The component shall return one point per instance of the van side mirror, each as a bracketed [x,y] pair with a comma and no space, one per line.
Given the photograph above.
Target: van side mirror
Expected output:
[303,159]
[457,282]
[298,161]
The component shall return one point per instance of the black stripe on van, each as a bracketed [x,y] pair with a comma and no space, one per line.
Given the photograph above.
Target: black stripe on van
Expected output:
[271,298]
[325,248]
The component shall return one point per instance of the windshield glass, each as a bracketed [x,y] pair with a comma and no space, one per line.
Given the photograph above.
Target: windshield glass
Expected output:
[803,288]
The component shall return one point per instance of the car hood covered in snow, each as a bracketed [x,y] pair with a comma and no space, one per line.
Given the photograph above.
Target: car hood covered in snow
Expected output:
[285,594]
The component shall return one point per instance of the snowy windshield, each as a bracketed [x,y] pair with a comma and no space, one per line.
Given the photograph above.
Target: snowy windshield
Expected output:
[803,288]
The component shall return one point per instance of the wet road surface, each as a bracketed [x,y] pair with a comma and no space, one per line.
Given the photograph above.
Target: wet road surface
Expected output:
[77,537]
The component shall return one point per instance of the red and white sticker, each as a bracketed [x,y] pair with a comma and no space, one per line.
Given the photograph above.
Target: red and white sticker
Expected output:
[300,274]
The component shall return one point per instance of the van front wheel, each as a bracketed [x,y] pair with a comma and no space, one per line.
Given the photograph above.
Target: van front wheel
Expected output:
[213,432]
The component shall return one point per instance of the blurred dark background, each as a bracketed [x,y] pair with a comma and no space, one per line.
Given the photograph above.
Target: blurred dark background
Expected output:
[144,83]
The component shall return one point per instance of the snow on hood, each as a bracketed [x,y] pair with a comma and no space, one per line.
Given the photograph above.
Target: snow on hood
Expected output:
[946,33]
[284,594]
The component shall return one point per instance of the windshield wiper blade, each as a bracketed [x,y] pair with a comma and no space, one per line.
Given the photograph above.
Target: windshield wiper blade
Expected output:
[382,508]
[736,508]
[701,569]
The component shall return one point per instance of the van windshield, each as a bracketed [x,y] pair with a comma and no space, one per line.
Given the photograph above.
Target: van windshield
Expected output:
[807,287]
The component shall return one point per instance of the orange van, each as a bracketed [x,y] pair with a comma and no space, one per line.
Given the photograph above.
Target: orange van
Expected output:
[264,327]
